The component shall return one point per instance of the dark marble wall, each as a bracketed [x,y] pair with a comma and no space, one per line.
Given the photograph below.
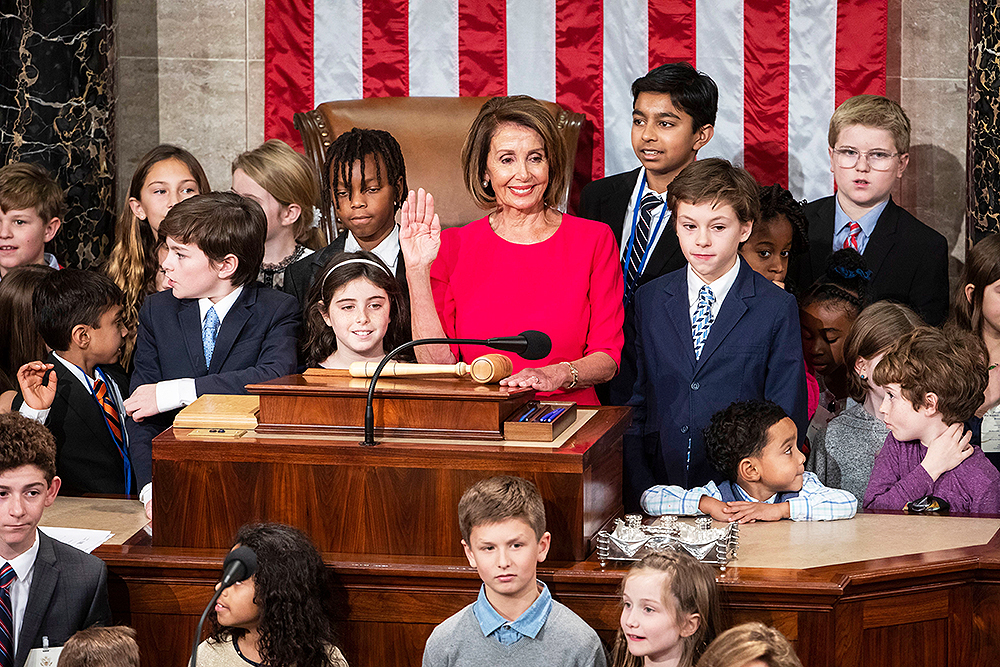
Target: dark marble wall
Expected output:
[57,110]
[984,119]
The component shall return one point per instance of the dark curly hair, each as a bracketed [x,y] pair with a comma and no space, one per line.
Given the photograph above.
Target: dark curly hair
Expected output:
[319,341]
[845,283]
[25,442]
[777,201]
[738,432]
[292,591]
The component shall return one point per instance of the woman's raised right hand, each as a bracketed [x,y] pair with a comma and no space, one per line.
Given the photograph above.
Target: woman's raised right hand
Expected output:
[419,231]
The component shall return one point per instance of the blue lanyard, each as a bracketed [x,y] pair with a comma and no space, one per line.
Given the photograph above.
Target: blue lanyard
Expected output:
[122,447]
[635,224]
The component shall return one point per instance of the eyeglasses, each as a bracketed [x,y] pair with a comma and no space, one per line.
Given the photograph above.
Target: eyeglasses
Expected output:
[846,158]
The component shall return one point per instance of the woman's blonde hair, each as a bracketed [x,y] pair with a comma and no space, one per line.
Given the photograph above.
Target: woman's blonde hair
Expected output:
[748,642]
[290,179]
[689,588]
[133,264]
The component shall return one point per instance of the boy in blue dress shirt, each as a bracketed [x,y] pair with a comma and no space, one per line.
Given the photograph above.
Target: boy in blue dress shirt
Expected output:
[754,444]
[706,335]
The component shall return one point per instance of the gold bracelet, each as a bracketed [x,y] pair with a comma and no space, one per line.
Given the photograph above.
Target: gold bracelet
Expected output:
[576,374]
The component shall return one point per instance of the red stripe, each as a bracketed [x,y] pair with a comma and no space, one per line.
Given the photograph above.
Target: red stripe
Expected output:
[482,48]
[765,90]
[385,48]
[579,73]
[861,47]
[671,32]
[288,66]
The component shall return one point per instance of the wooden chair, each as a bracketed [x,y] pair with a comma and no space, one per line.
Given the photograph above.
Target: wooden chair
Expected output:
[430,132]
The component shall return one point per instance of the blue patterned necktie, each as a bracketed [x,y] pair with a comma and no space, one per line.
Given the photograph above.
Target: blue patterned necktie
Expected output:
[702,322]
[634,261]
[209,332]
[7,576]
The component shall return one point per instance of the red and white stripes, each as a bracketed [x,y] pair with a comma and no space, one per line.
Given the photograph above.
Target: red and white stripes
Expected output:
[781,65]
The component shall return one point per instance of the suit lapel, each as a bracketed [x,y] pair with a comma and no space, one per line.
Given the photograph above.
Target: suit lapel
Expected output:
[883,237]
[189,319]
[821,238]
[232,327]
[730,313]
[679,315]
[618,202]
[43,584]
[85,406]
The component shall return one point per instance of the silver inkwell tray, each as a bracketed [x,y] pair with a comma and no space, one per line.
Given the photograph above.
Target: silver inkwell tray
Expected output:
[631,540]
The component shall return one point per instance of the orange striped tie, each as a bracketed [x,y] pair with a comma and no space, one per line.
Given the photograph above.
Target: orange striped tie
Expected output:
[110,411]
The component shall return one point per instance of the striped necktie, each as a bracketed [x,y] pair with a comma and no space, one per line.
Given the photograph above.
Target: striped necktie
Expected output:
[113,420]
[702,322]
[852,239]
[634,261]
[7,576]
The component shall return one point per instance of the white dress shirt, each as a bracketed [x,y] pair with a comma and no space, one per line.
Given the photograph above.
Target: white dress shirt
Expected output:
[24,568]
[656,232]
[387,250]
[720,288]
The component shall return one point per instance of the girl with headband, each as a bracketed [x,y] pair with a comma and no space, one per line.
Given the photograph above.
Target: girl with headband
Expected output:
[355,311]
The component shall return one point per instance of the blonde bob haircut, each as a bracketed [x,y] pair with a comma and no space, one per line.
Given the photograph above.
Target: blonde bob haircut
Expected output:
[516,110]
[289,178]
[746,643]
[872,111]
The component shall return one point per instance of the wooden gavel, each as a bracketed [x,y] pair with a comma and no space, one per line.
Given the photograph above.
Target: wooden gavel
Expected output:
[484,370]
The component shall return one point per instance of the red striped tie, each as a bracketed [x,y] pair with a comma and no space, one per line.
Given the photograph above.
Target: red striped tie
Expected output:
[852,240]
[110,411]
[7,576]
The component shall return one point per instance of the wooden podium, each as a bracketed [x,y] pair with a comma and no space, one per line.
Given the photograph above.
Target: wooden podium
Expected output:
[304,466]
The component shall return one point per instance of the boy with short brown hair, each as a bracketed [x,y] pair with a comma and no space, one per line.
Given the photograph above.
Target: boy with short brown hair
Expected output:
[514,620]
[101,647]
[31,209]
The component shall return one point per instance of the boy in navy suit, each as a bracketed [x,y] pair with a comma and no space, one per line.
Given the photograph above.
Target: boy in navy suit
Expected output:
[673,114]
[214,331]
[706,335]
[79,316]
[869,150]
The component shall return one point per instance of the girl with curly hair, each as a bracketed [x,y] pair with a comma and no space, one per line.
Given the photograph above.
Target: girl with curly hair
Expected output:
[280,616]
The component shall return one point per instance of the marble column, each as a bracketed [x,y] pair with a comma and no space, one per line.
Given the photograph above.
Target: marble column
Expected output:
[57,111]
[983,165]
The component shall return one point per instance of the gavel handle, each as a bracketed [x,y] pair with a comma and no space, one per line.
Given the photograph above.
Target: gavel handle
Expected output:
[365,369]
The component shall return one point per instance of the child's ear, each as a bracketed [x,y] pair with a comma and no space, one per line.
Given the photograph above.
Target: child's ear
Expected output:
[52,491]
[51,228]
[543,545]
[969,289]
[690,625]
[748,469]
[705,134]
[746,229]
[228,266]
[79,336]
[137,209]
[469,554]
[904,160]
[290,214]
[325,313]
[859,367]
[930,405]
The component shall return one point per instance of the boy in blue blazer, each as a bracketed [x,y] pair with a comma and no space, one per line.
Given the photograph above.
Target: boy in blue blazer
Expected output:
[707,335]
[214,331]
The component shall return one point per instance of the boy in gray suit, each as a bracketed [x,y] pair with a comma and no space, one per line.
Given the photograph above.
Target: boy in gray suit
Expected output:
[47,589]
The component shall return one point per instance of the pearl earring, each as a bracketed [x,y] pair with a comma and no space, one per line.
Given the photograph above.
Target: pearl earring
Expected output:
[486,183]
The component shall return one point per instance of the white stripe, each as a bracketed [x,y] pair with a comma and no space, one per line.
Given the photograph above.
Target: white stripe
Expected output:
[433,30]
[811,95]
[719,39]
[531,48]
[337,50]
[626,58]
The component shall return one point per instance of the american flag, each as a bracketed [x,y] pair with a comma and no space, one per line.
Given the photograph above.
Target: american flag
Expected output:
[782,66]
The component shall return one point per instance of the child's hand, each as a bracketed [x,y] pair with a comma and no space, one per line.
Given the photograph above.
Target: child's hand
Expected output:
[30,376]
[746,512]
[142,403]
[947,450]
[419,230]
[714,508]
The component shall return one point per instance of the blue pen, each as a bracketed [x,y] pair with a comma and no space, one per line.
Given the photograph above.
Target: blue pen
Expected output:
[553,415]
[527,415]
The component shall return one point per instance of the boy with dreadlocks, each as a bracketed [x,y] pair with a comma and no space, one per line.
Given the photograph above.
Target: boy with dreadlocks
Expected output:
[364,183]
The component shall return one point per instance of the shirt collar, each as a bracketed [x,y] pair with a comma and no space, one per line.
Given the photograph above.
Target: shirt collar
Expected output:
[387,250]
[51,260]
[76,371]
[747,497]
[867,221]
[720,287]
[25,563]
[528,624]
[221,306]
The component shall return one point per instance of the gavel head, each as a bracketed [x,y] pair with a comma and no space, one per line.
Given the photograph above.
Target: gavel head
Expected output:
[491,368]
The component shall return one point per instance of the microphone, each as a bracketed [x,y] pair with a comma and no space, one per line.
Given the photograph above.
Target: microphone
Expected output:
[528,344]
[240,564]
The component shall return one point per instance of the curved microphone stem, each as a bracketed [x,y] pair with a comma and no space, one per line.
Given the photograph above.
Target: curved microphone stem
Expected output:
[369,440]
[201,622]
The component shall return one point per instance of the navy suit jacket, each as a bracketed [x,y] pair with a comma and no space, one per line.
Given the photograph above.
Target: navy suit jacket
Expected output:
[87,459]
[256,342]
[753,351]
[69,593]
[606,200]
[908,259]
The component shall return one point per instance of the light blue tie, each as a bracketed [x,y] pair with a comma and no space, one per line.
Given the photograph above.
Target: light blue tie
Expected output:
[209,332]
[702,322]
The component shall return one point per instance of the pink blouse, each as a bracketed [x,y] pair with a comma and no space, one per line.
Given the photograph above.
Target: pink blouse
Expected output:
[568,286]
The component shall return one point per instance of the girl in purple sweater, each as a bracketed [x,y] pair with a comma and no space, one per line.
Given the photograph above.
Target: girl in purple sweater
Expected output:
[933,382]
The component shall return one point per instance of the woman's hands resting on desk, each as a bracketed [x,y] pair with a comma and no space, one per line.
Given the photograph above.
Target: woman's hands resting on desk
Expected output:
[590,370]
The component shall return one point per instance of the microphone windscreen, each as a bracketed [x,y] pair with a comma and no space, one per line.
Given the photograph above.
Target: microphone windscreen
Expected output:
[538,345]
[245,555]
